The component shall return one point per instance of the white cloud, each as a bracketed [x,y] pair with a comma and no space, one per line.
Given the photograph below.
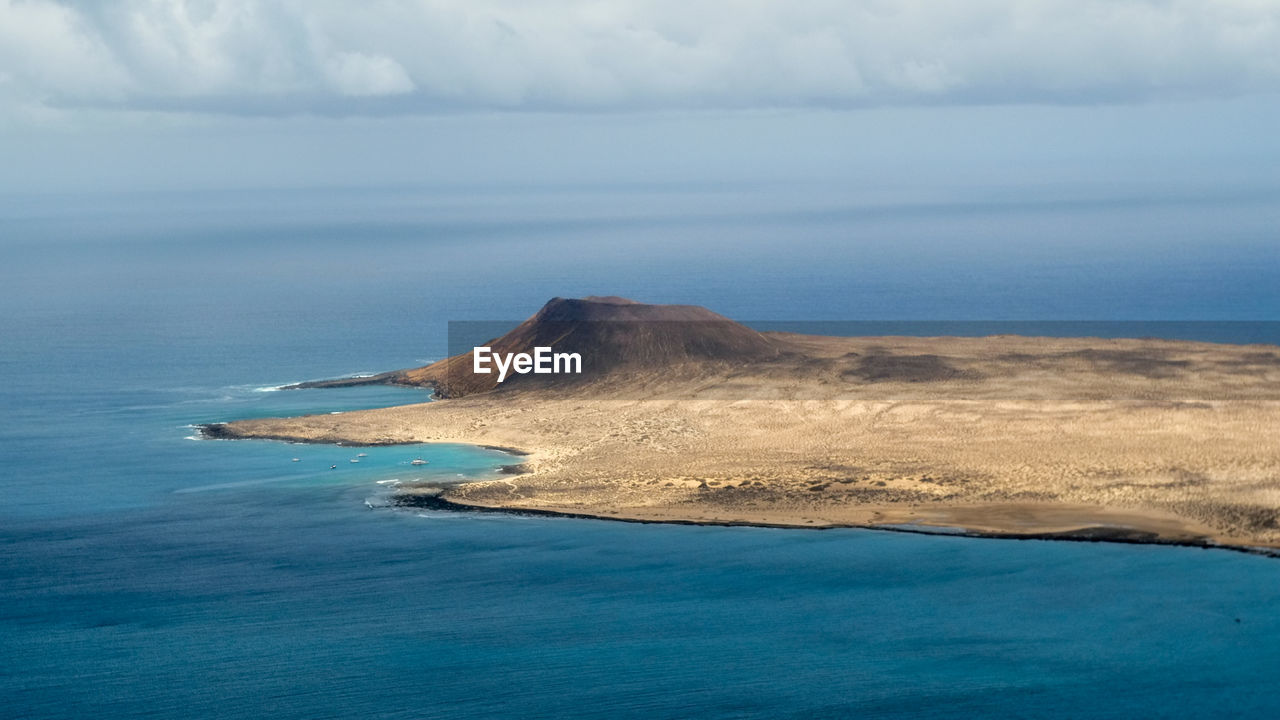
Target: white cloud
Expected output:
[47,49]
[289,56]
[360,75]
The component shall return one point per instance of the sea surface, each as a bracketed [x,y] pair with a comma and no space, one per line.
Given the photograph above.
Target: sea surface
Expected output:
[145,573]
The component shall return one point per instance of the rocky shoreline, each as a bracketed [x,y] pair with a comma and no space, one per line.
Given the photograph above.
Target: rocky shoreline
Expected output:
[1092,534]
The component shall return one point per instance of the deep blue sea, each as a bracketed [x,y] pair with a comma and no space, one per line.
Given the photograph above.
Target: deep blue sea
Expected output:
[147,574]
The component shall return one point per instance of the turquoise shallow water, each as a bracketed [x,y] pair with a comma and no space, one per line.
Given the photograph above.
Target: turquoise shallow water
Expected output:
[144,574]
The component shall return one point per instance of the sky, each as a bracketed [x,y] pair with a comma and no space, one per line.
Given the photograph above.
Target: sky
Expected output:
[110,95]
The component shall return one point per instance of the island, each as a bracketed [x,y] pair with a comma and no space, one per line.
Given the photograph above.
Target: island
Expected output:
[682,415]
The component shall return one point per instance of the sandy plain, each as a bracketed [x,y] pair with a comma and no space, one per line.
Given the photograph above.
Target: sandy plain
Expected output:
[1082,438]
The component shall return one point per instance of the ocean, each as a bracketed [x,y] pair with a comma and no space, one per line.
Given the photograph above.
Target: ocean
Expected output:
[144,573]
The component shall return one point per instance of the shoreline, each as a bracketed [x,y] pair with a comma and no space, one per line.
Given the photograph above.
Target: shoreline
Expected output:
[1150,441]
[406,498]
[221,431]
[1093,534]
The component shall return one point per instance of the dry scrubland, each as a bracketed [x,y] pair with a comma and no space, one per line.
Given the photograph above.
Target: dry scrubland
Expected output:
[1136,439]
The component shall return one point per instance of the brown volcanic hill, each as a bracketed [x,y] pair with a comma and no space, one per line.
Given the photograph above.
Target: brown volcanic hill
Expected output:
[610,334]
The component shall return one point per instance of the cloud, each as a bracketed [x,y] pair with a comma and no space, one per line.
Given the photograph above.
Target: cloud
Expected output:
[360,75]
[395,56]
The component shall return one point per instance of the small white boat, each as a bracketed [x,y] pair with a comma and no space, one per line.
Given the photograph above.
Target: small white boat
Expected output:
[362,454]
[355,459]
[297,459]
[418,461]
